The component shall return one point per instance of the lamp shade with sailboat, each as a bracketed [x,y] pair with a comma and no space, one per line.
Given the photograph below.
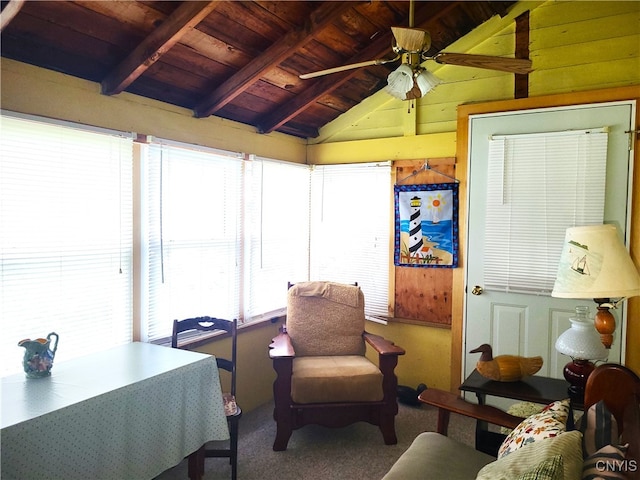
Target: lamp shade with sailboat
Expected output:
[594,263]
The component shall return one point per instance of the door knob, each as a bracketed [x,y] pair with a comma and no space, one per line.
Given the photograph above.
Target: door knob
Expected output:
[477,290]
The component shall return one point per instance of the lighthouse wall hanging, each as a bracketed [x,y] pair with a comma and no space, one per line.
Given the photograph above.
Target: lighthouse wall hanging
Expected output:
[426,225]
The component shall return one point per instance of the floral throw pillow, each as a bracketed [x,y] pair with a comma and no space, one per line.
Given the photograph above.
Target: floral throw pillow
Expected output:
[550,422]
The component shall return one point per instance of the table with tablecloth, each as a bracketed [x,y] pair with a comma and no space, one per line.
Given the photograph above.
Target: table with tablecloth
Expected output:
[129,412]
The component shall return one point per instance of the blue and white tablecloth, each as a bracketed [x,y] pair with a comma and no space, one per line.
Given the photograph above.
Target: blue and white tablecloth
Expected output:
[130,412]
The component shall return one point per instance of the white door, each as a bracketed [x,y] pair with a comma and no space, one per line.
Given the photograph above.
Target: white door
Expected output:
[528,324]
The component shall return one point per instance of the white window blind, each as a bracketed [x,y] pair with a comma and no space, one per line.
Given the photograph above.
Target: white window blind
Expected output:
[66,238]
[538,186]
[193,236]
[350,229]
[276,233]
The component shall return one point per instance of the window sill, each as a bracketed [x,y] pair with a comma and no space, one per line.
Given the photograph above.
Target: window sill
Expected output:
[193,340]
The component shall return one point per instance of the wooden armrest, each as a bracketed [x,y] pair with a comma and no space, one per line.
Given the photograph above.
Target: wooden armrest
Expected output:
[382,345]
[281,346]
[448,402]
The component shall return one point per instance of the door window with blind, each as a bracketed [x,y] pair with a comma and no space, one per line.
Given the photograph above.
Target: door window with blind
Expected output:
[66,237]
[538,185]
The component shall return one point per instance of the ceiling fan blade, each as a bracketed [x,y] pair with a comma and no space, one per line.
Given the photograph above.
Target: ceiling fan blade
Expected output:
[504,64]
[351,66]
[411,39]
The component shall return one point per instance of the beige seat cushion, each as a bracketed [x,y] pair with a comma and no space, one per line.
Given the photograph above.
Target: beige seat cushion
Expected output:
[326,318]
[435,456]
[340,378]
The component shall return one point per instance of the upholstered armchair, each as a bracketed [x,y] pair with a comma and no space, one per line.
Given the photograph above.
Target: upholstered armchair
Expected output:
[323,375]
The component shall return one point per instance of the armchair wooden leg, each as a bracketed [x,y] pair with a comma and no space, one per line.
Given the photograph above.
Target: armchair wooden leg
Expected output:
[282,412]
[388,429]
[443,421]
[283,434]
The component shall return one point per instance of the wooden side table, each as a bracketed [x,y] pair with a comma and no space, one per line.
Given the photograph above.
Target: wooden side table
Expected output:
[535,389]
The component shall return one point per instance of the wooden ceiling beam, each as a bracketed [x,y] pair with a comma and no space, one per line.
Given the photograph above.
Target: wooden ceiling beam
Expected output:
[521,82]
[9,11]
[271,58]
[162,39]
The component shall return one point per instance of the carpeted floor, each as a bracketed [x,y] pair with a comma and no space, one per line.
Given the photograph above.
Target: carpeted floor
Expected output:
[318,453]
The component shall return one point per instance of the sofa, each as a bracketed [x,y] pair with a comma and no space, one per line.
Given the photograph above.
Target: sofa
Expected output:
[605,442]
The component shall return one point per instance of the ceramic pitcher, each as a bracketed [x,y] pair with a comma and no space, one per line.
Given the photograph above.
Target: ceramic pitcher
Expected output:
[38,355]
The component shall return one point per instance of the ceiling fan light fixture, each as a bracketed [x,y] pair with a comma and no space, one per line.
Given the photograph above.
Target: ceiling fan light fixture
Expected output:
[426,81]
[400,82]
[405,83]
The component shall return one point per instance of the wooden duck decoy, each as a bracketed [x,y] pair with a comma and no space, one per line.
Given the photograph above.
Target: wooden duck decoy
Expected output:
[505,368]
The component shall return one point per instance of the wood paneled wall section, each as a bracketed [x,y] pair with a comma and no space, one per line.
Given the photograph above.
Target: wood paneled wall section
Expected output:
[423,294]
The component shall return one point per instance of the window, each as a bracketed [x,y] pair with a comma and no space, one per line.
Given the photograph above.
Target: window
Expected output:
[350,229]
[277,233]
[191,264]
[223,235]
[66,237]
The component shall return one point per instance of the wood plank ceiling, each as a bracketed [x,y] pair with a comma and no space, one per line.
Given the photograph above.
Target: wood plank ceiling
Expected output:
[238,60]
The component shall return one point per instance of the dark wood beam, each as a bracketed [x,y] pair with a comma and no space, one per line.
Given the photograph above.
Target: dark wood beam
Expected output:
[9,11]
[322,17]
[181,21]
[521,81]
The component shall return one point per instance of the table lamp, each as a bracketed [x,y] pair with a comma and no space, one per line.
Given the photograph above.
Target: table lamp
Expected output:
[595,264]
[582,343]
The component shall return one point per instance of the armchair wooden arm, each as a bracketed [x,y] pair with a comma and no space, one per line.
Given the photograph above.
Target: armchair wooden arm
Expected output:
[447,402]
[382,345]
[281,345]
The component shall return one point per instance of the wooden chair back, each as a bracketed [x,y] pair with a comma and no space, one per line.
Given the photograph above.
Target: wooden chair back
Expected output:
[617,385]
[212,324]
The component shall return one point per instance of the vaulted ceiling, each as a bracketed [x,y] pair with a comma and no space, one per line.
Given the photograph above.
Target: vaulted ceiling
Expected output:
[238,60]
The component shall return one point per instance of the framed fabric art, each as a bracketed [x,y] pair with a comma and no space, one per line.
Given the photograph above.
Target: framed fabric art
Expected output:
[426,225]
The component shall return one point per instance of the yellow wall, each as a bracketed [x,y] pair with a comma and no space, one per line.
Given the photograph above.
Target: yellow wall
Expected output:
[575,46]
[28,89]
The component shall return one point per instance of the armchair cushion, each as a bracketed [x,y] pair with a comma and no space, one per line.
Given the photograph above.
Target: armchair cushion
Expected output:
[326,318]
[341,378]
[432,455]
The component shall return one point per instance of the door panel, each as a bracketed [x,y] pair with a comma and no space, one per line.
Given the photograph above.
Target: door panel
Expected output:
[526,324]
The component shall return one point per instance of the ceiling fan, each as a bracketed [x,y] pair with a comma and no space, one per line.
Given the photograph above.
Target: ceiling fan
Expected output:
[411,80]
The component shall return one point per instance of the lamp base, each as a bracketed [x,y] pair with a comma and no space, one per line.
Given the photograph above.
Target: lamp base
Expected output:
[576,373]
[605,322]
